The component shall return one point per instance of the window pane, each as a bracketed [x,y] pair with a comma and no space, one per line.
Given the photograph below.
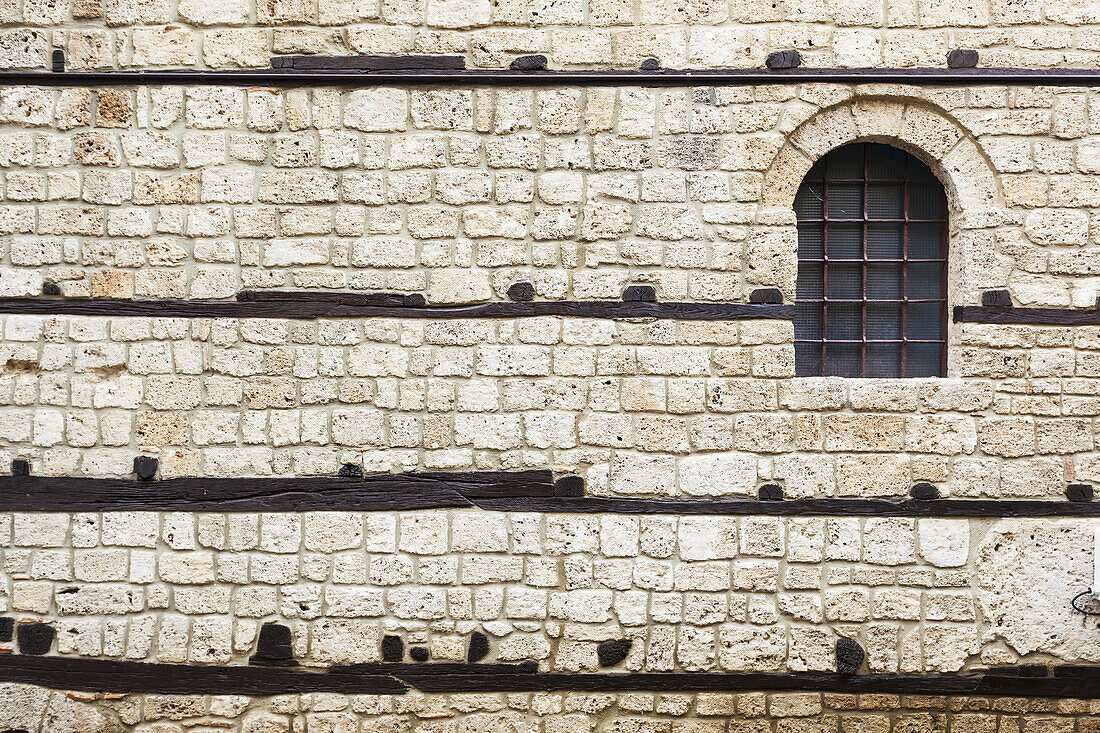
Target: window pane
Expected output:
[883,321]
[845,282]
[884,282]
[925,241]
[923,360]
[923,280]
[807,321]
[884,241]
[807,360]
[811,281]
[885,201]
[872,257]
[884,161]
[924,321]
[842,360]
[926,201]
[844,321]
[883,360]
[809,203]
[845,162]
[810,241]
[845,201]
[845,241]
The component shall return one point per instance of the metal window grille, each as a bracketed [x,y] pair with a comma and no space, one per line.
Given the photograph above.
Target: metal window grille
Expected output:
[871,299]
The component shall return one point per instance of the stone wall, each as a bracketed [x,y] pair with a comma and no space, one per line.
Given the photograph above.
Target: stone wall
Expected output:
[457,194]
[29,708]
[763,594]
[702,33]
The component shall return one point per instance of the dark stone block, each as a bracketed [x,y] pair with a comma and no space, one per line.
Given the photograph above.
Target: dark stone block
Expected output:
[7,628]
[849,655]
[419,654]
[997,297]
[275,647]
[924,490]
[650,64]
[521,292]
[350,470]
[145,467]
[1079,492]
[34,638]
[770,296]
[962,58]
[534,62]
[787,59]
[479,647]
[640,294]
[20,467]
[57,60]
[771,492]
[611,653]
[393,649]
[569,486]
[50,288]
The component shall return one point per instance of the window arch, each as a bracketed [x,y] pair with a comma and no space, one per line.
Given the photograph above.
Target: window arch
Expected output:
[871,297]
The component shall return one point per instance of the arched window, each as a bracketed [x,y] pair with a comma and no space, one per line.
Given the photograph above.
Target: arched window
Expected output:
[872,266]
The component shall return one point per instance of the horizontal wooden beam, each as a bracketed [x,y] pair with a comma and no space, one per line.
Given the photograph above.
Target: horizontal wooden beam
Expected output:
[507,77]
[369,62]
[501,491]
[1010,315]
[380,492]
[342,305]
[100,675]
[882,507]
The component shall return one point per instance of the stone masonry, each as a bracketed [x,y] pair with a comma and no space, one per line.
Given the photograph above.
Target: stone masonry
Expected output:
[457,193]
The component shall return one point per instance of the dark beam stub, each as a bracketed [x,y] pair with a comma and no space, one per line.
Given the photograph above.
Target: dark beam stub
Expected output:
[770,492]
[521,292]
[569,486]
[849,655]
[640,294]
[533,62]
[309,305]
[788,59]
[962,58]
[1079,492]
[393,649]
[275,647]
[770,296]
[419,653]
[350,470]
[57,60]
[145,467]
[610,653]
[34,638]
[1001,298]
[7,628]
[50,288]
[20,467]
[924,491]
[478,648]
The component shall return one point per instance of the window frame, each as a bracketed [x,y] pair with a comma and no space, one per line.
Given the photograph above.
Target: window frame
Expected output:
[906,222]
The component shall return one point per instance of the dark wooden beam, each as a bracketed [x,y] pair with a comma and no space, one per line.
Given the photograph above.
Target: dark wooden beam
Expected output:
[1027,316]
[381,492]
[101,675]
[342,305]
[504,491]
[881,507]
[521,78]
